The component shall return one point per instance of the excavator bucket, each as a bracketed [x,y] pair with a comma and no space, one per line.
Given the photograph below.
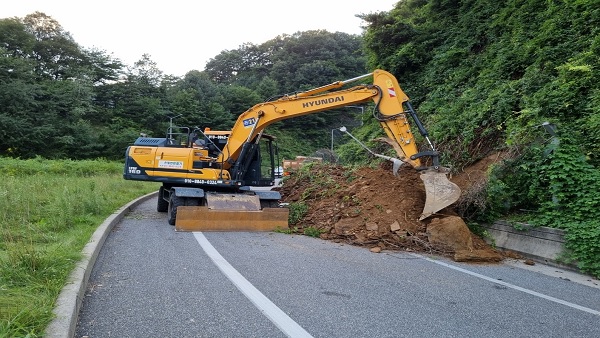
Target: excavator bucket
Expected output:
[231,212]
[439,192]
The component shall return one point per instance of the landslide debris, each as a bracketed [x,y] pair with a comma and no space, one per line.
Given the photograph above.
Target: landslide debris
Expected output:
[371,207]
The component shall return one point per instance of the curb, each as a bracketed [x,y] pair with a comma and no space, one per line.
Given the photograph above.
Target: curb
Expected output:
[68,303]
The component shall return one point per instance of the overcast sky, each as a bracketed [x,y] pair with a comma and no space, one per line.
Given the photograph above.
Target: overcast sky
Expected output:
[181,35]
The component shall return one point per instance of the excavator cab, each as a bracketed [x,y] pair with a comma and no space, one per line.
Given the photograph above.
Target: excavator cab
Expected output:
[258,168]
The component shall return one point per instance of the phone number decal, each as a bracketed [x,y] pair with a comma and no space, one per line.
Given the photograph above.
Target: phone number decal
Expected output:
[218,137]
[196,181]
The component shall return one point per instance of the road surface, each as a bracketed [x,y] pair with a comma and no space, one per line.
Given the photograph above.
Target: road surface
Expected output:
[151,281]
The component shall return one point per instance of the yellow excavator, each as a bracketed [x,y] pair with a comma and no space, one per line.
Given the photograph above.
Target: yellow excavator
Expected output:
[221,180]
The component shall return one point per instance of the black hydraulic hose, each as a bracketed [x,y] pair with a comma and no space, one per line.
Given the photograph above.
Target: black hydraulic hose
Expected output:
[420,126]
[414,116]
[379,117]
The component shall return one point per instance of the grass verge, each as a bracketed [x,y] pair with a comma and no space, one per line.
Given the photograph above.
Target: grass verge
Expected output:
[50,209]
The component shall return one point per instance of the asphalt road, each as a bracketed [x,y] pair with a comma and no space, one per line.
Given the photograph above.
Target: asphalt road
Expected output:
[150,281]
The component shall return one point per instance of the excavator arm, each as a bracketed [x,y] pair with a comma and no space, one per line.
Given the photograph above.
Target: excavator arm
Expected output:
[392,108]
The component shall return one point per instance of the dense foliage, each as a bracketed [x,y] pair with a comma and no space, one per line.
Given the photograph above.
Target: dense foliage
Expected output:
[487,72]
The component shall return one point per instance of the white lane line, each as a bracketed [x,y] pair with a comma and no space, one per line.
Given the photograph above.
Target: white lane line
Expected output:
[286,324]
[508,285]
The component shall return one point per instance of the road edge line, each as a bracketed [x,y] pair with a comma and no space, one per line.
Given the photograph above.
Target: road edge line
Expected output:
[510,285]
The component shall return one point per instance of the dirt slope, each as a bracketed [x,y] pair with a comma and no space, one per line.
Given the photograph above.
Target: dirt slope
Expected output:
[373,208]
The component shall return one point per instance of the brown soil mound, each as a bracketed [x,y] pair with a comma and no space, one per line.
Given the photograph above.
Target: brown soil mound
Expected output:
[373,208]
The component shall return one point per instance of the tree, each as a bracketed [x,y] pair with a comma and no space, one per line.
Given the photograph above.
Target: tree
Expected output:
[146,71]
[200,101]
[103,68]
[247,62]
[57,54]
[18,90]
[15,39]
[330,55]
[267,88]
[237,99]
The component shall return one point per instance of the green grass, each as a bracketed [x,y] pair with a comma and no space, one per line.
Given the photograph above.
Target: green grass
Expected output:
[50,209]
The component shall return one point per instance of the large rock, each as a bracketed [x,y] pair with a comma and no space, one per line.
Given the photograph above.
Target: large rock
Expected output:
[450,231]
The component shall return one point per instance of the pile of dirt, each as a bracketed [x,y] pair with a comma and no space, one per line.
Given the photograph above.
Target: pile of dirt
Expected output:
[371,207]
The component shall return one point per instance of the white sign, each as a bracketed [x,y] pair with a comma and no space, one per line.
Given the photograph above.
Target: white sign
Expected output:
[170,164]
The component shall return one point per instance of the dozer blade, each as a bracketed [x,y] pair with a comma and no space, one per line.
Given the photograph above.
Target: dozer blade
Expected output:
[231,212]
[201,218]
[439,192]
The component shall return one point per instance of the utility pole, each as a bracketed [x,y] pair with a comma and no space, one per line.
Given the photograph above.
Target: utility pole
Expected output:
[171,118]
[332,140]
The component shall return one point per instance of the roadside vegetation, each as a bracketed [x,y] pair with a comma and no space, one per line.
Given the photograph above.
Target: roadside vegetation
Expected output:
[50,209]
